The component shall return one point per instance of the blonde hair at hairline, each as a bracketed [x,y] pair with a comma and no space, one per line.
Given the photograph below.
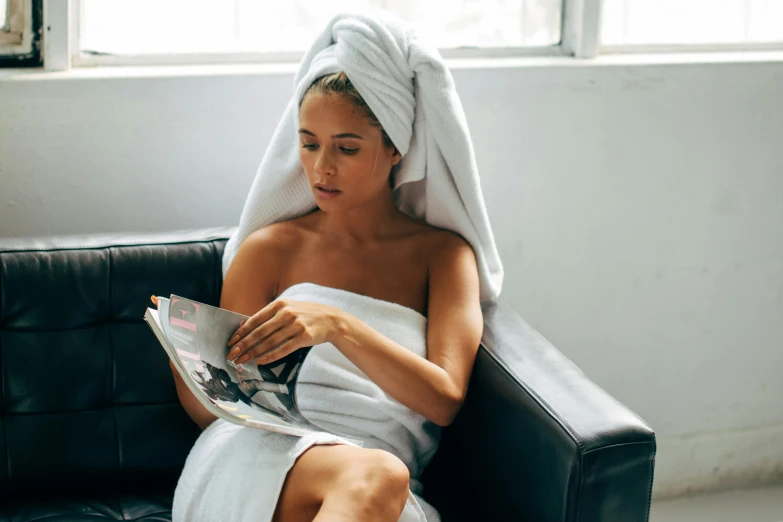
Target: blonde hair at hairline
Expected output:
[338,83]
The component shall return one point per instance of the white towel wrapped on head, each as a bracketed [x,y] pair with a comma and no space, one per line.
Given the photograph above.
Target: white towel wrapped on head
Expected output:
[409,89]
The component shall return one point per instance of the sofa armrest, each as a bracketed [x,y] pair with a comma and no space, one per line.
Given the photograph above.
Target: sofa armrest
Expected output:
[537,440]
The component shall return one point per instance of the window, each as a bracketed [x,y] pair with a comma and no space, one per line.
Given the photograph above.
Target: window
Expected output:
[691,22]
[262,29]
[142,32]
[20,25]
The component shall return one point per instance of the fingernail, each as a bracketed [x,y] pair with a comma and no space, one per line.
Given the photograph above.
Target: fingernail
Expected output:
[233,340]
[243,359]
[233,353]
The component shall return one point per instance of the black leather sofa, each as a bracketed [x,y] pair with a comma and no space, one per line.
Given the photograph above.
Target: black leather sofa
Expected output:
[91,427]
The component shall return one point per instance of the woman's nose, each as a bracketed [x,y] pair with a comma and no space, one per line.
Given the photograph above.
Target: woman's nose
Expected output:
[324,163]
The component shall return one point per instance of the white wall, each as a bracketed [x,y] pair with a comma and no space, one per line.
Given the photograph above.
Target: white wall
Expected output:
[637,208]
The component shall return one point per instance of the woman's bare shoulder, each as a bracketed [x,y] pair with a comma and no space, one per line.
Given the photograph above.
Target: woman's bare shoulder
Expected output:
[436,240]
[278,236]
[253,279]
[279,241]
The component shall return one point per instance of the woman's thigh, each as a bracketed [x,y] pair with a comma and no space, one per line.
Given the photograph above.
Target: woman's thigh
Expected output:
[319,470]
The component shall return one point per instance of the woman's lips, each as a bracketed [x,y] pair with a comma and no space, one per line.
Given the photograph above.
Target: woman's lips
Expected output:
[326,194]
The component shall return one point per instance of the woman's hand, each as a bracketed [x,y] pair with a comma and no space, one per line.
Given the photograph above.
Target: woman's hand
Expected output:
[282,327]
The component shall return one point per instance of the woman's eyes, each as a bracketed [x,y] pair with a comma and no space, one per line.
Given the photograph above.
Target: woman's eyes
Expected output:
[313,146]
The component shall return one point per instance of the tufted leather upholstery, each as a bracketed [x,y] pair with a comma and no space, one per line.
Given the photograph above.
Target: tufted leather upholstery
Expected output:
[91,427]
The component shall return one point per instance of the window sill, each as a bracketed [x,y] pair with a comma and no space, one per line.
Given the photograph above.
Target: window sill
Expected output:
[544,62]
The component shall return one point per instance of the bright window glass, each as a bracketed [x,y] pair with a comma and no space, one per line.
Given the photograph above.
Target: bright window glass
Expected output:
[3,13]
[651,22]
[207,26]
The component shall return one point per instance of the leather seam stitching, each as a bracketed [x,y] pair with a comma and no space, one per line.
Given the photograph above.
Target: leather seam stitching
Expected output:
[101,246]
[535,396]
[649,491]
[619,444]
[11,414]
[581,486]
[113,369]
[652,479]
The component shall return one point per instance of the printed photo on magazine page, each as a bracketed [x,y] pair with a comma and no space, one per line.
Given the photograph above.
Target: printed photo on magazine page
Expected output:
[199,334]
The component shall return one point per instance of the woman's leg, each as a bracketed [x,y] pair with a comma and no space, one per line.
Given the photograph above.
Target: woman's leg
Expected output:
[341,483]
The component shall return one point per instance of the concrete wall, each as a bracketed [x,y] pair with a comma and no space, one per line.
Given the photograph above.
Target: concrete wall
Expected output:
[637,205]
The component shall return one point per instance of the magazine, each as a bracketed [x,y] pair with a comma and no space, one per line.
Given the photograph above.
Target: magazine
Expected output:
[195,336]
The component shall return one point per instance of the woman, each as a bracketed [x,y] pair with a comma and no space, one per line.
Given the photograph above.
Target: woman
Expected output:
[358,248]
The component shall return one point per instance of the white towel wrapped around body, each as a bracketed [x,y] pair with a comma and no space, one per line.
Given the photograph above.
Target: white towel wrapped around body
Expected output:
[236,473]
[410,90]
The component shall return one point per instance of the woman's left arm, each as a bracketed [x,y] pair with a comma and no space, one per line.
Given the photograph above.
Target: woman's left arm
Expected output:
[436,386]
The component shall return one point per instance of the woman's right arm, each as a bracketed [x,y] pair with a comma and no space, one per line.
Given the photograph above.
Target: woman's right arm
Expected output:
[250,284]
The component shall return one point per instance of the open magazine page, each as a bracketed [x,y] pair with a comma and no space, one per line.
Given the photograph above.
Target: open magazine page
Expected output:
[237,413]
[198,334]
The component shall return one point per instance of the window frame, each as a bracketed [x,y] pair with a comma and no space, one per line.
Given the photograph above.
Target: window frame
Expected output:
[20,42]
[580,38]
[689,48]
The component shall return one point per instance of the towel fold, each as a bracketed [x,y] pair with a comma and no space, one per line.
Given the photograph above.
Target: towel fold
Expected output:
[406,84]
[335,394]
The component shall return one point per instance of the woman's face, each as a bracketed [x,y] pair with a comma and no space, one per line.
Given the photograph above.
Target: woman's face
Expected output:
[340,149]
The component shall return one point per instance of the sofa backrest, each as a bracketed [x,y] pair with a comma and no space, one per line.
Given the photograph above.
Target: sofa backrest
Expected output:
[87,399]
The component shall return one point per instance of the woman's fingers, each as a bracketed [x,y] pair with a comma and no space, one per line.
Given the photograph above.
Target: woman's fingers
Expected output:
[286,348]
[263,348]
[258,320]
[253,338]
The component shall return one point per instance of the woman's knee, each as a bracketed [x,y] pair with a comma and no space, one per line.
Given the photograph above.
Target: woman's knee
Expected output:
[380,476]
[345,477]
